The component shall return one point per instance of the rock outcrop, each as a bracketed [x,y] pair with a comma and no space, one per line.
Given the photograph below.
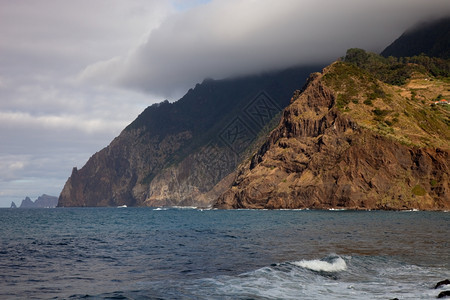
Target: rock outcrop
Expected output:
[442,283]
[27,203]
[331,150]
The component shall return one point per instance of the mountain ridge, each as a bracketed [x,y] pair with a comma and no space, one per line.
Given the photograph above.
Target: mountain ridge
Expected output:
[178,153]
[331,150]
[430,38]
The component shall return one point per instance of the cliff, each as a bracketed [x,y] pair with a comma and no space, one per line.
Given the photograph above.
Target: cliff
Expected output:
[27,203]
[349,140]
[184,153]
[44,201]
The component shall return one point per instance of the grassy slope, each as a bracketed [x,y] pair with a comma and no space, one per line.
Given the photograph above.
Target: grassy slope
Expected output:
[404,113]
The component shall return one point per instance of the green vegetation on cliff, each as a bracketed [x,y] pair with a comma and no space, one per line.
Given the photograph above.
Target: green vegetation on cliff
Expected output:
[396,99]
[397,71]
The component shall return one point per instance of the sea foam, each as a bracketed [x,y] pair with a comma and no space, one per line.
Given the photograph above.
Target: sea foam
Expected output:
[334,264]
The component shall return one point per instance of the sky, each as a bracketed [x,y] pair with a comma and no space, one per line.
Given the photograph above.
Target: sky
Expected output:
[73,74]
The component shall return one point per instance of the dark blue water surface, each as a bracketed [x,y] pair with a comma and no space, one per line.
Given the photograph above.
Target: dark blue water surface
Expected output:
[145,253]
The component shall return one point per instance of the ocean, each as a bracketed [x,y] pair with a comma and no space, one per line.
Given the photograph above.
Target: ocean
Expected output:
[147,253]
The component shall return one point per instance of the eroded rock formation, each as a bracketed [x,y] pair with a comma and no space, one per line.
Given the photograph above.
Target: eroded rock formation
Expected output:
[323,156]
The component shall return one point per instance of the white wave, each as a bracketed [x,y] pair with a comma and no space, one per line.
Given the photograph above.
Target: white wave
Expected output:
[410,210]
[176,208]
[184,207]
[205,209]
[160,208]
[335,265]
[366,278]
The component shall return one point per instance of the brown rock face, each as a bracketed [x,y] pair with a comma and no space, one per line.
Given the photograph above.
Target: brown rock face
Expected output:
[320,157]
[117,174]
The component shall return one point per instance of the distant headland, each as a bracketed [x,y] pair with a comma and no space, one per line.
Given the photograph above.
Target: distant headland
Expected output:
[44,201]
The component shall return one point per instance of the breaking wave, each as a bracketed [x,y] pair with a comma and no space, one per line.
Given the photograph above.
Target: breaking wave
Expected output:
[328,264]
[332,277]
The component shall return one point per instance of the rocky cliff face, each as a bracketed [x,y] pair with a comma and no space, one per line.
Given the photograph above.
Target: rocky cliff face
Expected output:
[118,174]
[350,141]
[44,201]
[184,153]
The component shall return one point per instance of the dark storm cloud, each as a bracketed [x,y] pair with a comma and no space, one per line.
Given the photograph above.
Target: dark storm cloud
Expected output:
[234,37]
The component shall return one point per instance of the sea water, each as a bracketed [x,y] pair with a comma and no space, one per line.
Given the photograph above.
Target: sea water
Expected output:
[146,253]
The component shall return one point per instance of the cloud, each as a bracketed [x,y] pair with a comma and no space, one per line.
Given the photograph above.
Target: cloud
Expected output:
[49,122]
[183,5]
[83,27]
[10,165]
[235,37]
[59,123]
[33,174]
